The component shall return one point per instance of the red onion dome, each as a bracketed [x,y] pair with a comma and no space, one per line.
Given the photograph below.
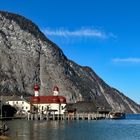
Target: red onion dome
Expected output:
[55,88]
[36,87]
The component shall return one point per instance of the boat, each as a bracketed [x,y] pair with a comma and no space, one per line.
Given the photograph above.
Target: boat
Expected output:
[117,115]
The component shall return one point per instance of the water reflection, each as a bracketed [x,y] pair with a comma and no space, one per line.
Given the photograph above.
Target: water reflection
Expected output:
[75,130]
[36,130]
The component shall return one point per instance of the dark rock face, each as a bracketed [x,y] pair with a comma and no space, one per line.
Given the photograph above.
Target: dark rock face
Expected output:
[28,57]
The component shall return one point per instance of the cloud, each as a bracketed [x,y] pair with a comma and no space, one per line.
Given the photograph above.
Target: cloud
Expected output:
[82,32]
[127,60]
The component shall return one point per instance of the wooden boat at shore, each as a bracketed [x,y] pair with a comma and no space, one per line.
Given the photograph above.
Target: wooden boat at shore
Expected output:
[117,115]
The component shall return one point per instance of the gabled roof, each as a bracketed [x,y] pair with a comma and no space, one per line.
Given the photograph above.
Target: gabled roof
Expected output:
[48,99]
[14,98]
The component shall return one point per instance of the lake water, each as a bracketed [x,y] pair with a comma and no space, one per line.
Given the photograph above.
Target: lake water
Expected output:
[127,129]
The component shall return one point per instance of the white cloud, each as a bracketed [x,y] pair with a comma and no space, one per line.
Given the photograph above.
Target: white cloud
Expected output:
[82,32]
[127,60]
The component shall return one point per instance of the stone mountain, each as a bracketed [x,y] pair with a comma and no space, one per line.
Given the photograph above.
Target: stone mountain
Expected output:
[28,57]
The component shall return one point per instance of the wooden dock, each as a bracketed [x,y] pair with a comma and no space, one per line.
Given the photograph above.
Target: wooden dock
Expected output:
[77,116]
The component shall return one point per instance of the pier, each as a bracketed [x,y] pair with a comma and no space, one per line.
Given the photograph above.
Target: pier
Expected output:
[77,116]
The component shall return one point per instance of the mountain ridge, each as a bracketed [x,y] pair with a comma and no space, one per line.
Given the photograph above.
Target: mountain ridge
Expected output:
[28,57]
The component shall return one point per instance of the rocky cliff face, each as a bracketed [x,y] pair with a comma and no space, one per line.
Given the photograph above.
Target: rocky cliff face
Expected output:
[28,57]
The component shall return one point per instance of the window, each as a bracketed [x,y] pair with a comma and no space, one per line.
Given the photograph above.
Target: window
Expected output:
[62,107]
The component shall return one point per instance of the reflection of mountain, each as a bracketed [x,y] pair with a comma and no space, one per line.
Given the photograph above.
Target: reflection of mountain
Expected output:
[28,57]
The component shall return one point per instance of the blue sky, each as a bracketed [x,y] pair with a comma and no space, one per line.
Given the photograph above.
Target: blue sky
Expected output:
[102,34]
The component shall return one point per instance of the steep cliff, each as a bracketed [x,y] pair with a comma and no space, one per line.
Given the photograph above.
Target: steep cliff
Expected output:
[28,57]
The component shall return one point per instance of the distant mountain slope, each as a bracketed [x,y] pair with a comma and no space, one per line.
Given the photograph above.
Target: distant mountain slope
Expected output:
[28,57]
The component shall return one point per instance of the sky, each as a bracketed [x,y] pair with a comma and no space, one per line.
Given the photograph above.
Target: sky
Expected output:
[101,34]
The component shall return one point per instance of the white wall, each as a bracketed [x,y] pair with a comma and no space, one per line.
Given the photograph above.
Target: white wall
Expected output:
[43,108]
[20,105]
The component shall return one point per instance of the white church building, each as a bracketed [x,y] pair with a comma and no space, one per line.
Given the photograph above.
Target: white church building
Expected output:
[53,104]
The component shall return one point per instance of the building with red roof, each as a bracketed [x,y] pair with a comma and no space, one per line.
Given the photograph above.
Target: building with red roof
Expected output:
[48,104]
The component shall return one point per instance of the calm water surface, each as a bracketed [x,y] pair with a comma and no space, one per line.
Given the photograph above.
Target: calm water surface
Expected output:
[128,129]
